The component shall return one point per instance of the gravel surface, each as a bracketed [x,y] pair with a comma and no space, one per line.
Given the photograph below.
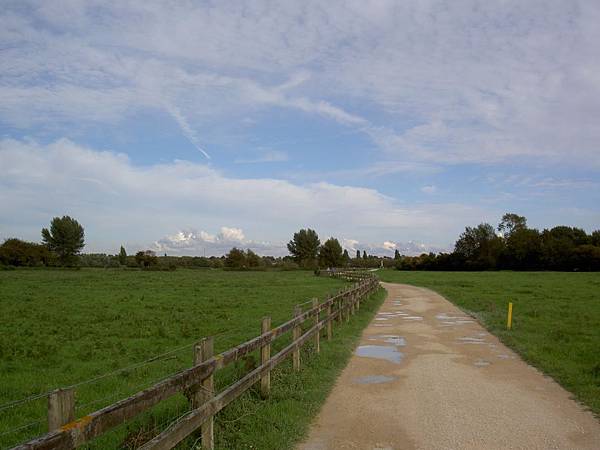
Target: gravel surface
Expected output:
[427,376]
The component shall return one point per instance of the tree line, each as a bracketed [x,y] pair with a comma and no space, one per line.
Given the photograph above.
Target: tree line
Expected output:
[512,245]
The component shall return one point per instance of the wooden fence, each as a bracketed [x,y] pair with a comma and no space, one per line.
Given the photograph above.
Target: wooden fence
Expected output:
[196,383]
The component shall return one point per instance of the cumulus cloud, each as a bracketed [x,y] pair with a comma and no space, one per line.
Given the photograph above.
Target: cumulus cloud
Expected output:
[119,201]
[199,242]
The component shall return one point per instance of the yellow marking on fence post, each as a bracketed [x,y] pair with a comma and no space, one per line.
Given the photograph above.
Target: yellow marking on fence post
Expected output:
[509,321]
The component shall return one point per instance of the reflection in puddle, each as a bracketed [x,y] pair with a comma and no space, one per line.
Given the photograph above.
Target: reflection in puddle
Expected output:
[412,318]
[374,379]
[380,352]
[481,363]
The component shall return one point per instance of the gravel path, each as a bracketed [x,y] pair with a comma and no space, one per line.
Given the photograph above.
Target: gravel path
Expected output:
[426,376]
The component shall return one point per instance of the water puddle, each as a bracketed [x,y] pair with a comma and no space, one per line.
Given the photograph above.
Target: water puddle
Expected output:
[389,339]
[374,379]
[412,318]
[390,354]
[472,340]
[381,318]
[481,363]
[383,325]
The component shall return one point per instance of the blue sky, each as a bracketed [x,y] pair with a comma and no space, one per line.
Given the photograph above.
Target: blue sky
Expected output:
[190,127]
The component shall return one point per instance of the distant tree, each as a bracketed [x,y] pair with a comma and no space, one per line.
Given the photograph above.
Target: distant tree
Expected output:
[558,245]
[479,247]
[122,256]
[396,254]
[357,254]
[595,238]
[304,247]
[586,257]
[510,223]
[236,259]
[146,258]
[346,258]
[330,253]
[523,249]
[365,255]
[65,238]
[252,259]
[15,252]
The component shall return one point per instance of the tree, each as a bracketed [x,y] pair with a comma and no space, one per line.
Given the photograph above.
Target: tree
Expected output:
[252,259]
[122,256]
[146,258]
[523,249]
[65,238]
[15,252]
[330,253]
[595,238]
[235,259]
[357,254]
[365,257]
[479,246]
[511,223]
[346,258]
[396,254]
[304,247]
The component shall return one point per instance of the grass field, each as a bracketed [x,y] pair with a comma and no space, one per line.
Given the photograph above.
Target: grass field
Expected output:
[63,327]
[556,321]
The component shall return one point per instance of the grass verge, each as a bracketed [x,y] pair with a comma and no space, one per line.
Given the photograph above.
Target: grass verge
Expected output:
[556,318]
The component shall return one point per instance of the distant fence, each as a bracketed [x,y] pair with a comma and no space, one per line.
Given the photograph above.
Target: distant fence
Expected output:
[197,382]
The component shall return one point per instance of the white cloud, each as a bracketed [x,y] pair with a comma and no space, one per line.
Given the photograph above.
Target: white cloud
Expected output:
[430,189]
[389,245]
[462,82]
[119,202]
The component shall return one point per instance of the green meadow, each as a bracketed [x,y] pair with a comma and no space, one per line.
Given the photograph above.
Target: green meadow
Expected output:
[556,318]
[82,327]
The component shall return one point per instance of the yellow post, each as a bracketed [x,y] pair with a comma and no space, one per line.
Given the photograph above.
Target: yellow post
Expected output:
[509,321]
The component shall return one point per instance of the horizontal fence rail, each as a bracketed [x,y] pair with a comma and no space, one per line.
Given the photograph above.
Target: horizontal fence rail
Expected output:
[197,382]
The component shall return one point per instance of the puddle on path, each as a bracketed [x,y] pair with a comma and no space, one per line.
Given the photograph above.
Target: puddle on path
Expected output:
[380,352]
[374,379]
[471,340]
[383,325]
[412,318]
[389,339]
[481,363]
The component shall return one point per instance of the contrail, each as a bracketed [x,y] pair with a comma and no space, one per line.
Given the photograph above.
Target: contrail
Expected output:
[185,128]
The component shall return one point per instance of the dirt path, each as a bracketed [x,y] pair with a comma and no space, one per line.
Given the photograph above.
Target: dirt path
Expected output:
[446,384]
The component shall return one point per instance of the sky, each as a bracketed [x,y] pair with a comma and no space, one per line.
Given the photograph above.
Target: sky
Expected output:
[188,127]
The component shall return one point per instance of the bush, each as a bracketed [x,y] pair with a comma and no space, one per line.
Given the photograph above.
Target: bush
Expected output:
[18,253]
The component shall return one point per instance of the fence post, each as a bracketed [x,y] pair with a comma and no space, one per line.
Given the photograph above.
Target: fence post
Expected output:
[315,303]
[296,335]
[340,316]
[265,355]
[61,408]
[348,306]
[206,392]
[329,324]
